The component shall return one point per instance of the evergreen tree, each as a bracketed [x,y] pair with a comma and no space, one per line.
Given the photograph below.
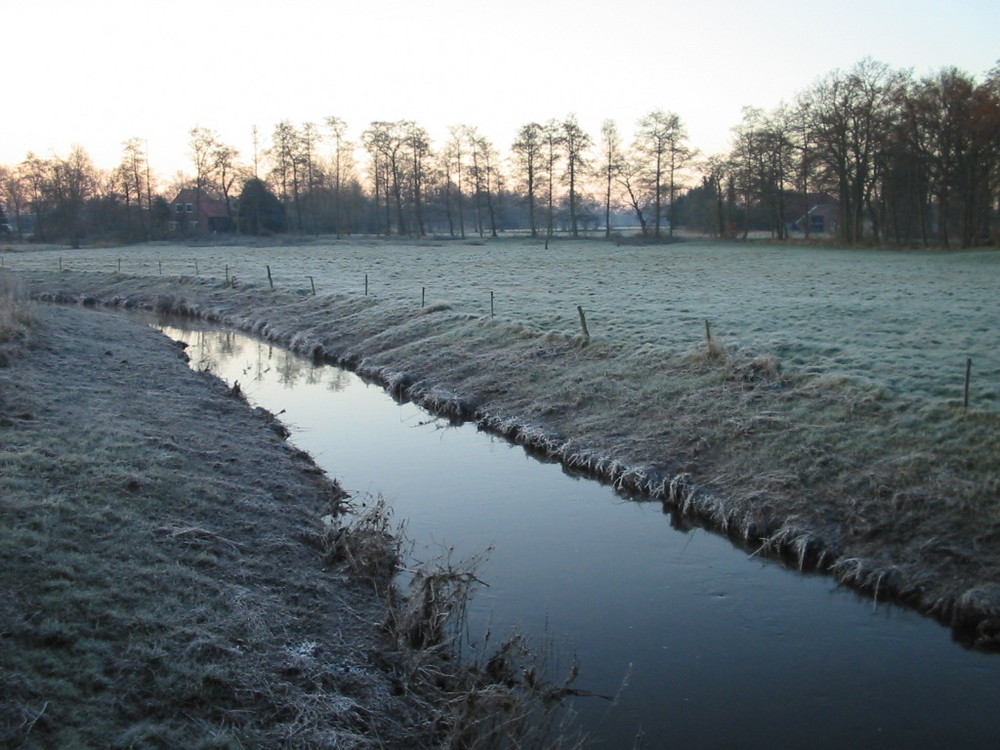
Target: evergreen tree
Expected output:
[260,209]
[159,217]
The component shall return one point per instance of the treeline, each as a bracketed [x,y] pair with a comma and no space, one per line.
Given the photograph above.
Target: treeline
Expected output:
[908,161]
[894,158]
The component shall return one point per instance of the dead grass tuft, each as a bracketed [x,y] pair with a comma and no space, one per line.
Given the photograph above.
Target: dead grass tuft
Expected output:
[502,698]
[17,314]
[367,547]
[438,595]
[435,308]
[976,616]
[504,701]
[762,368]
[711,356]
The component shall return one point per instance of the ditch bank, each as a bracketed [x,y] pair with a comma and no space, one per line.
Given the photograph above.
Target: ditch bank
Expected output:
[175,574]
[896,499]
[157,588]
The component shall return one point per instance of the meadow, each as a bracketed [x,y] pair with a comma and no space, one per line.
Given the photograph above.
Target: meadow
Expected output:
[902,320]
[809,402]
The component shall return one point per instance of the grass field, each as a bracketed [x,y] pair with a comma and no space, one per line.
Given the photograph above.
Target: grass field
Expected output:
[903,320]
[824,420]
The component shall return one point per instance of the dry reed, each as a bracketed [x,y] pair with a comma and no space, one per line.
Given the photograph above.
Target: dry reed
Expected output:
[16,311]
[367,547]
[499,700]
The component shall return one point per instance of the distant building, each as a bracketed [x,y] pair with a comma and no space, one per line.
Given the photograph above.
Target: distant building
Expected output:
[820,212]
[189,213]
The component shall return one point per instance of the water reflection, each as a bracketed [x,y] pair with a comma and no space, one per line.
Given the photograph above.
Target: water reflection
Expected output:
[723,650]
[213,350]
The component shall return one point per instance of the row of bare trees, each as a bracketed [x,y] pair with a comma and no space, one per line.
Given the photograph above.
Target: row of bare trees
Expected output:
[907,160]
[390,182]
[56,192]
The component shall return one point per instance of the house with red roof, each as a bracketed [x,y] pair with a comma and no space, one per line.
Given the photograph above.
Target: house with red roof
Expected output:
[195,211]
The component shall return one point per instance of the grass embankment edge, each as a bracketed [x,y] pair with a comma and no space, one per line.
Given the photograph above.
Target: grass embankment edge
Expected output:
[164,580]
[879,516]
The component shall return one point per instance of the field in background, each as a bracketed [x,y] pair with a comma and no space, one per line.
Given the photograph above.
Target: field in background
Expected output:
[902,320]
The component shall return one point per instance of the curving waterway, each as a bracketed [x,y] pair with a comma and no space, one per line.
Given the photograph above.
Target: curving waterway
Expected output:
[716,648]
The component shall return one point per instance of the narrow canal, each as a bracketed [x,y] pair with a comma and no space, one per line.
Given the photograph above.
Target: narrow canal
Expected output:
[710,646]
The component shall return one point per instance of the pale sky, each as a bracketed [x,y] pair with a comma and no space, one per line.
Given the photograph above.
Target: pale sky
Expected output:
[99,73]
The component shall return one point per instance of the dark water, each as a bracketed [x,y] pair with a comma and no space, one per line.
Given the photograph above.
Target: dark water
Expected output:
[721,649]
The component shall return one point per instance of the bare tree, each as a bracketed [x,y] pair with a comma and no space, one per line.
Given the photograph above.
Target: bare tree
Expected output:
[386,144]
[528,155]
[255,139]
[338,133]
[718,171]
[632,177]
[651,143]
[202,142]
[74,180]
[679,156]
[136,189]
[312,175]
[576,142]
[288,166]
[372,139]
[455,161]
[806,167]
[12,190]
[482,174]
[661,141]
[850,116]
[763,155]
[553,152]
[952,124]
[227,171]
[418,143]
[612,163]
[35,174]
[476,175]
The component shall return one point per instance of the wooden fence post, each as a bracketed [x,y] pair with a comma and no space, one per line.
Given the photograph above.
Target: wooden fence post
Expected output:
[968,377]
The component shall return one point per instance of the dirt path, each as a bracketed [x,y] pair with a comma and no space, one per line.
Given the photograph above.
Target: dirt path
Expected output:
[156,586]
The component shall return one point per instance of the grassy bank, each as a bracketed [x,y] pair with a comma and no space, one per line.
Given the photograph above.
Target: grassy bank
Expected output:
[174,574]
[156,589]
[16,317]
[894,489]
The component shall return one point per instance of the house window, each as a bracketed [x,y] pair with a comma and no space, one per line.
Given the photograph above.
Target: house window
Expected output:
[179,207]
[189,208]
[194,224]
[173,226]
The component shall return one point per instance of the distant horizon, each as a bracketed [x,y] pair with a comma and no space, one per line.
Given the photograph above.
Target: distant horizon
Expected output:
[98,75]
[181,163]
